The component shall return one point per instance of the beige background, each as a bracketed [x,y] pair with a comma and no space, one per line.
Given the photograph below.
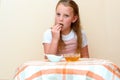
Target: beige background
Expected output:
[22,23]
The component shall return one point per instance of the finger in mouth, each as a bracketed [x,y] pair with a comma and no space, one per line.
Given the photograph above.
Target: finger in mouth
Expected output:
[61,24]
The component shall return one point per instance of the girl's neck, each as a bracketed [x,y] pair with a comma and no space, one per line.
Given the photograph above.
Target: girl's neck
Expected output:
[66,32]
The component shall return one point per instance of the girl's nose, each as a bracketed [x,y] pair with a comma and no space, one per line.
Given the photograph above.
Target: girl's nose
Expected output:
[61,18]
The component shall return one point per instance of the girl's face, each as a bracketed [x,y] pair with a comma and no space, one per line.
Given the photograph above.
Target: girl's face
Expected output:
[65,16]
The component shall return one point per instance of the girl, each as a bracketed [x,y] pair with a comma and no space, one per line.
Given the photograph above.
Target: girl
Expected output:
[66,35]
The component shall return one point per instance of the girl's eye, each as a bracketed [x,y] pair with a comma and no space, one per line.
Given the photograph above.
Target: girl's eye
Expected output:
[66,15]
[58,14]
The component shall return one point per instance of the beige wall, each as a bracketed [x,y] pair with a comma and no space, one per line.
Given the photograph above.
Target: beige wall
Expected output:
[100,19]
[22,23]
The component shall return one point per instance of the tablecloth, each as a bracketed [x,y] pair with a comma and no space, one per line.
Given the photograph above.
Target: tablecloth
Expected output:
[84,69]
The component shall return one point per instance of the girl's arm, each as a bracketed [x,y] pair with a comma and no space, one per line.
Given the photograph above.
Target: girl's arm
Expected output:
[51,48]
[84,52]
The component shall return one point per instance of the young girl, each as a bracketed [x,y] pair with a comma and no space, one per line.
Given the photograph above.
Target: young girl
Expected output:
[66,35]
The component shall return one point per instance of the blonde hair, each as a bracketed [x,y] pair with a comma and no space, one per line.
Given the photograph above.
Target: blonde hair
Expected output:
[75,26]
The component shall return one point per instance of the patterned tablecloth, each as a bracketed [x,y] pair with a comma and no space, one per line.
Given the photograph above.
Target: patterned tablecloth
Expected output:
[84,69]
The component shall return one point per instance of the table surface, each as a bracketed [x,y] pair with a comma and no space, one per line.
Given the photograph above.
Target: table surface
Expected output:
[84,69]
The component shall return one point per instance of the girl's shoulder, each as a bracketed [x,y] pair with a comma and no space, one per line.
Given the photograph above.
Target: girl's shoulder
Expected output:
[83,32]
[48,31]
[47,37]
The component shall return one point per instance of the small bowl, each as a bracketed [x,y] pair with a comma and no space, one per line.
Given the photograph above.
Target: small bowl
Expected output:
[72,57]
[53,58]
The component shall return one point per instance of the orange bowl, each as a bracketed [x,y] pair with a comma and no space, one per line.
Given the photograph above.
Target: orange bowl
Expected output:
[72,57]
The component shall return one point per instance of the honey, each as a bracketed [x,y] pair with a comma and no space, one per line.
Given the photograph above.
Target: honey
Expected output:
[72,59]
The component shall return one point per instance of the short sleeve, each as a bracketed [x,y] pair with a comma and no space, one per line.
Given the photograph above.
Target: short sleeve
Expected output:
[84,39]
[47,36]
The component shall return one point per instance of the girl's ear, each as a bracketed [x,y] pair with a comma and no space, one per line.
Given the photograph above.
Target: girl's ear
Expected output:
[74,19]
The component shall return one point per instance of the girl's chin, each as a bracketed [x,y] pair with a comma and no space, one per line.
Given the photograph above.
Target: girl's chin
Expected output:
[62,30]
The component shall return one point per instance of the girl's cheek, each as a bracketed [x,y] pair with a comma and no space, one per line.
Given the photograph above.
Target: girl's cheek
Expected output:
[56,20]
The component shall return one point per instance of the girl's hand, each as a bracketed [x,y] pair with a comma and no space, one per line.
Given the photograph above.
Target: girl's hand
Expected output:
[56,31]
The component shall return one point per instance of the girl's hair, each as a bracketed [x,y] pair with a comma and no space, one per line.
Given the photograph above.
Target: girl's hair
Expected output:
[75,26]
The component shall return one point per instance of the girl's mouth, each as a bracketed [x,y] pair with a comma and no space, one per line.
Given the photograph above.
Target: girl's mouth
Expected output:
[61,24]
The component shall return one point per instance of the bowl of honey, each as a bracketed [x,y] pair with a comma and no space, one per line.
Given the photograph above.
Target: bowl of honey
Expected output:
[72,57]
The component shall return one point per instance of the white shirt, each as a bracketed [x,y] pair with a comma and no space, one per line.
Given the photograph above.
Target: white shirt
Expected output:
[47,37]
